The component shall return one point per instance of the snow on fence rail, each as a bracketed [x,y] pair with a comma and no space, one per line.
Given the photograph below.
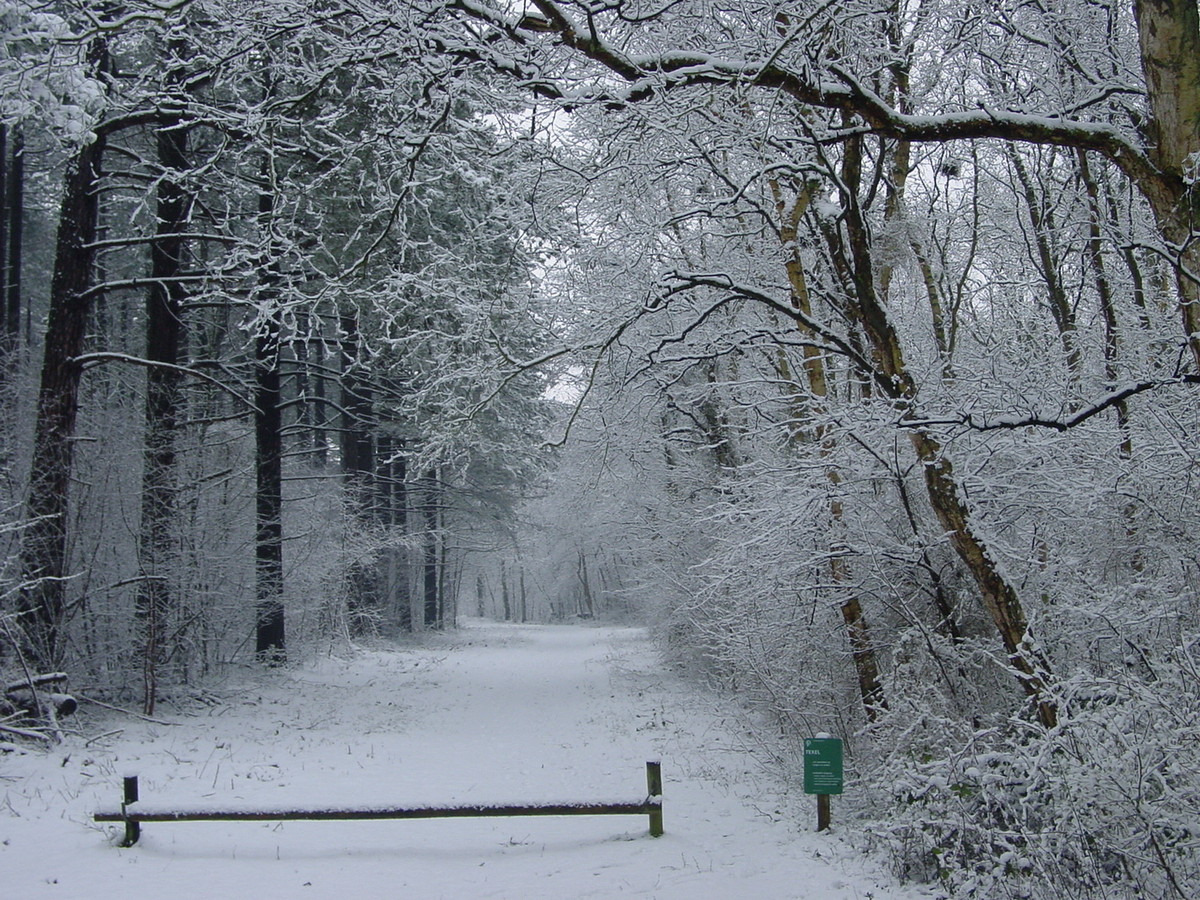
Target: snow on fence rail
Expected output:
[133,818]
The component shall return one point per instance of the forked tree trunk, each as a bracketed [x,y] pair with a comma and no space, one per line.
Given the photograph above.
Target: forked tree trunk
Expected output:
[1041,223]
[1108,310]
[862,649]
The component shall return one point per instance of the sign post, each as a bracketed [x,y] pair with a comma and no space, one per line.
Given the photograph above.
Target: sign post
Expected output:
[822,772]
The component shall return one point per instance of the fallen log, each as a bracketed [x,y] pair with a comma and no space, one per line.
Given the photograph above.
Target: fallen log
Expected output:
[25,733]
[128,712]
[36,681]
[24,698]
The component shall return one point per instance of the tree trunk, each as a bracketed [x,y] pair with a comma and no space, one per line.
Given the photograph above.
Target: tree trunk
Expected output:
[1169,37]
[524,598]
[270,644]
[862,649]
[164,334]
[9,332]
[504,595]
[1108,311]
[315,359]
[42,602]
[302,384]
[999,597]
[433,609]
[357,456]
[16,235]
[11,231]
[588,605]
[270,638]
[1042,224]
[400,559]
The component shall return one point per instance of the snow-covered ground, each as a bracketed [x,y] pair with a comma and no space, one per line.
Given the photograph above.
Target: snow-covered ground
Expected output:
[492,713]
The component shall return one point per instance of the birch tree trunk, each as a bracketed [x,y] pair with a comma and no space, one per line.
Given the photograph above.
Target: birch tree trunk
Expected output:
[1169,37]
[999,596]
[862,649]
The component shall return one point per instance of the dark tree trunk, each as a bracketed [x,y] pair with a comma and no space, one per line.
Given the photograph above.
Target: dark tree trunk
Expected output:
[270,644]
[587,608]
[1104,292]
[399,473]
[316,361]
[11,178]
[357,456]
[524,599]
[5,218]
[433,606]
[1000,597]
[302,385]
[164,334]
[393,515]
[44,543]
[504,595]
[359,468]
[16,236]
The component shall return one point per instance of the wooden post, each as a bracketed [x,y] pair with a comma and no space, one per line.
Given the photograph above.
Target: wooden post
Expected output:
[133,830]
[654,789]
[822,812]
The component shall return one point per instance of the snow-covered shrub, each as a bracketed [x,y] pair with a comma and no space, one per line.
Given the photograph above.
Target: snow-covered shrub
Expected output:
[1103,806]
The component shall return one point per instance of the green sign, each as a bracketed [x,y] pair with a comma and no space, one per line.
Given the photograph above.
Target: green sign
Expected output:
[822,765]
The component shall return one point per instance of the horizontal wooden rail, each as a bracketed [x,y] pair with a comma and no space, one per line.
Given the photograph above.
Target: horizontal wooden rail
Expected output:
[466,811]
[133,818]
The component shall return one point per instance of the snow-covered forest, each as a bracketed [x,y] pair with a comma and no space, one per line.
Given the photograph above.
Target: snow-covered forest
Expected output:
[851,347]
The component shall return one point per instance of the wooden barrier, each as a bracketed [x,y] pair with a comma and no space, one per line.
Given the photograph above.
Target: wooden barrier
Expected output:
[133,818]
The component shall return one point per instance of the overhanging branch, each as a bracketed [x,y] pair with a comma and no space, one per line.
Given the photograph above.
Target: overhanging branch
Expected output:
[87,360]
[1008,423]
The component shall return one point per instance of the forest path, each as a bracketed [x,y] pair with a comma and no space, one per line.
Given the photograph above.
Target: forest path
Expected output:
[489,713]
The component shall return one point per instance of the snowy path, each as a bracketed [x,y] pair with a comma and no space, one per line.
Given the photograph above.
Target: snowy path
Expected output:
[510,713]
